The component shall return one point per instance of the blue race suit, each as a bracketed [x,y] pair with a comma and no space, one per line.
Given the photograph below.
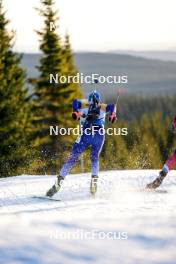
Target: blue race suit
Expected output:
[94,140]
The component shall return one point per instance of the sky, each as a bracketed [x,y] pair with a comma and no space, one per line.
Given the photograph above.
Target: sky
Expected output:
[99,25]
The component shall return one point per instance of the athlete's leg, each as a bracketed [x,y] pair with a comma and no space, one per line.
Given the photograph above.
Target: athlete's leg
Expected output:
[77,149]
[169,165]
[96,146]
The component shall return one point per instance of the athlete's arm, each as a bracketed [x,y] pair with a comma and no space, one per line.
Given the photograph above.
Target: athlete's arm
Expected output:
[77,106]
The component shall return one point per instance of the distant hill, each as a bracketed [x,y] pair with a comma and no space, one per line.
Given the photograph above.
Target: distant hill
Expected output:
[146,77]
[165,55]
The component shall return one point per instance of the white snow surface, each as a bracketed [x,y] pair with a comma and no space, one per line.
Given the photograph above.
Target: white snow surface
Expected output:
[122,224]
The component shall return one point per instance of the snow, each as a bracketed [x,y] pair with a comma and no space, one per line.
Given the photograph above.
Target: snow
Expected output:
[122,224]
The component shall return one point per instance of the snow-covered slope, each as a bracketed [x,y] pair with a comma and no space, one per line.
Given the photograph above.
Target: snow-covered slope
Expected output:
[123,224]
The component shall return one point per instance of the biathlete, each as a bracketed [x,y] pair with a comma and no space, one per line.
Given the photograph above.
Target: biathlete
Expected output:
[169,165]
[91,114]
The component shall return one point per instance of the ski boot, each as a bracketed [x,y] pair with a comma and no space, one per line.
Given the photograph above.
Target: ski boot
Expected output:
[157,182]
[93,184]
[56,187]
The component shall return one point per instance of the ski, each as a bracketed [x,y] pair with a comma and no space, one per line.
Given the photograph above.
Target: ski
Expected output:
[46,198]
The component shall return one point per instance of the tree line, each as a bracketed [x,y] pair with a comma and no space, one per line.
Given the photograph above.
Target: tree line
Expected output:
[25,144]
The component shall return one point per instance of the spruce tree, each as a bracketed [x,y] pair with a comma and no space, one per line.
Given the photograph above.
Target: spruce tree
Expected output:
[52,101]
[14,108]
[71,89]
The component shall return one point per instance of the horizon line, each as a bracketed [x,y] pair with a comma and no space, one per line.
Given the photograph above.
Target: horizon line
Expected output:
[106,51]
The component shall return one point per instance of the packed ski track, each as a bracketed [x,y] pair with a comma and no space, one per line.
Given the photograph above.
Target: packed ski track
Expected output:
[122,224]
